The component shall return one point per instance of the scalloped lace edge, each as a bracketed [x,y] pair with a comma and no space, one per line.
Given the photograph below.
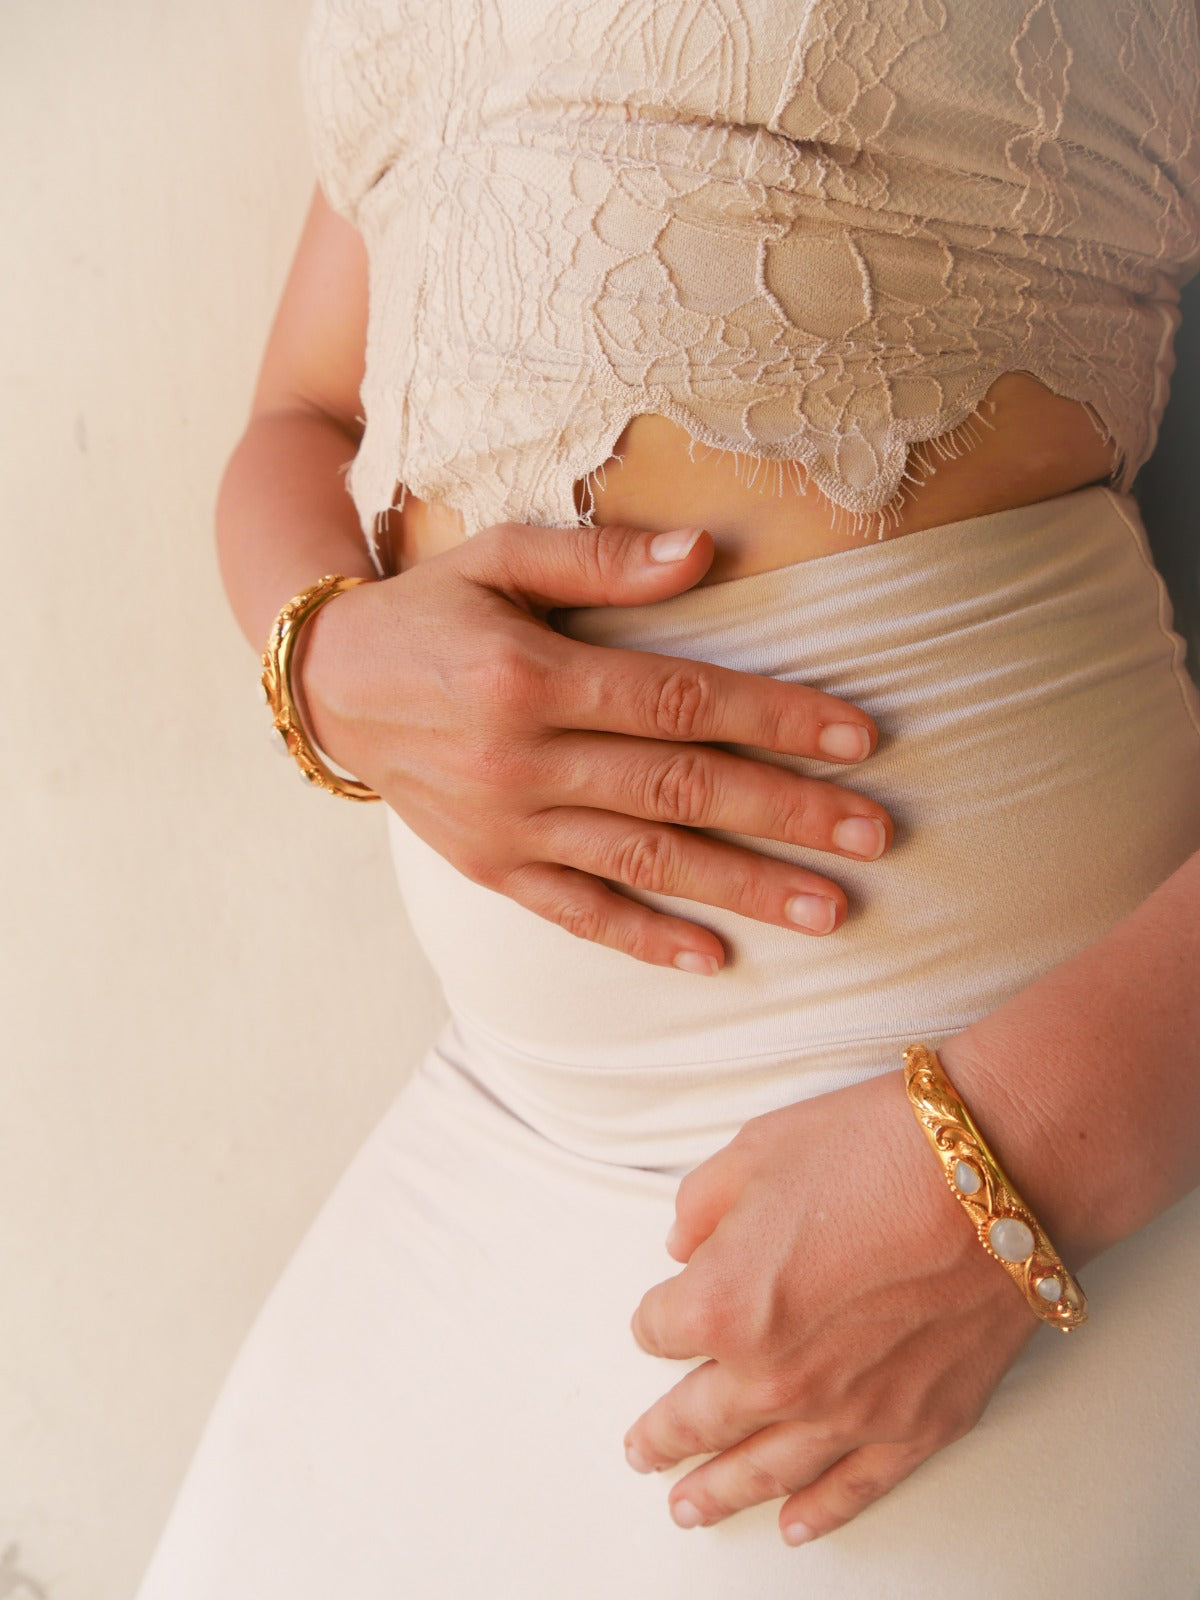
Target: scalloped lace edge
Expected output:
[911,457]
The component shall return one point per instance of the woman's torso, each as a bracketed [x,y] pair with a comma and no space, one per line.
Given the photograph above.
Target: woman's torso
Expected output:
[1036,445]
[1040,756]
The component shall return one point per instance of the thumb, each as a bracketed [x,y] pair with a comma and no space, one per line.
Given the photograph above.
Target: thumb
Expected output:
[546,568]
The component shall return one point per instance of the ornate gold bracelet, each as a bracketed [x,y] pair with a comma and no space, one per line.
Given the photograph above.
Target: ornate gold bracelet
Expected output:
[277,686]
[1007,1228]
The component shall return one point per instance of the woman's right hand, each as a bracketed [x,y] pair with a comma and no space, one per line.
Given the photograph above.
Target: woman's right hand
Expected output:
[541,766]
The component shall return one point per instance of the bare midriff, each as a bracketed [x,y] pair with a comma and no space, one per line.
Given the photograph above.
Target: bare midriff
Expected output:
[1033,445]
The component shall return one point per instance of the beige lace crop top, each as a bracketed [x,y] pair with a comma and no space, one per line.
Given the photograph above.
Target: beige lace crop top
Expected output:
[809,230]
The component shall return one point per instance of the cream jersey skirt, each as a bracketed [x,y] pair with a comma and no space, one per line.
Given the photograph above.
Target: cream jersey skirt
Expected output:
[433,1398]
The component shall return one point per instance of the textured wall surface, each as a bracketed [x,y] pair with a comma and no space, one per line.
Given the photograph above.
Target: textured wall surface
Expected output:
[209,990]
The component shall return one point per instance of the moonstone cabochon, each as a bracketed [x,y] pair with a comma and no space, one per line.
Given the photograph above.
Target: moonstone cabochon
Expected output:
[966,1179]
[1011,1239]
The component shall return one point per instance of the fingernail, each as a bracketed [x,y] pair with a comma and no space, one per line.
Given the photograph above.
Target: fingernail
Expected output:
[675,545]
[845,740]
[693,961]
[860,836]
[797,1533]
[686,1515]
[673,1237]
[636,1459]
[811,911]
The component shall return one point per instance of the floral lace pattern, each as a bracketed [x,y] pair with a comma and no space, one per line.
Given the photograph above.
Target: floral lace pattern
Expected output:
[812,232]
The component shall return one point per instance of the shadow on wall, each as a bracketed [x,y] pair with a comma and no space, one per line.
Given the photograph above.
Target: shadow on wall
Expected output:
[1167,489]
[15,1584]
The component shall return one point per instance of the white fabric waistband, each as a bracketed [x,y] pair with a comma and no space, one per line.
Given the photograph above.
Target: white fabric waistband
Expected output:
[1039,752]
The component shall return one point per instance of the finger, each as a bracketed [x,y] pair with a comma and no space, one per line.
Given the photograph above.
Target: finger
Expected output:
[703,1196]
[582,905]
[702,787]
[683,1317]
[852,1483]
[655,859]
[766,1465]
[544,569]
[606,689]
[706,1410]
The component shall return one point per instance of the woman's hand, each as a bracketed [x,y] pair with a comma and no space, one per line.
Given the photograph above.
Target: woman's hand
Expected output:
[541,766]
[854,1325]
[852,1321]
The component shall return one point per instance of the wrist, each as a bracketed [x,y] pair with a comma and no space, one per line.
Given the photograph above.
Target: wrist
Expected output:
[1089,1079]
[1007,1227]
[948,1238]
[1024,1109]
[283,695]
[322,674]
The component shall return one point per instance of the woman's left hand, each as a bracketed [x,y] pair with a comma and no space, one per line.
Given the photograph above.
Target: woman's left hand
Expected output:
[853,1323]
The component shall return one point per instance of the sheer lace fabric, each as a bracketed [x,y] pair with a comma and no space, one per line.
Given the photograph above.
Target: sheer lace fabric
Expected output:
[811,232]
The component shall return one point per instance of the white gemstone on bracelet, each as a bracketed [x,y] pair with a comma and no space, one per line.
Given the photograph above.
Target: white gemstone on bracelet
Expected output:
[966,1179]
[1011,1239]
[1050,1289]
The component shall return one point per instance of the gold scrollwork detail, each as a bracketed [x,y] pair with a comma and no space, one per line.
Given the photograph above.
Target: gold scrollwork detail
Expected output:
[1050,1290]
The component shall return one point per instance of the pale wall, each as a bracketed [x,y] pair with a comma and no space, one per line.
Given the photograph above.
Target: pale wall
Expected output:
[209,991]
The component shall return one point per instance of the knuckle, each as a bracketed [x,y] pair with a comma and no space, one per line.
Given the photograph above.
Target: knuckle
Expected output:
[679,788]
[689,1194]
[646,860]
[601,554]
[780,724]
[641,943]
[774,1393]
[500,534]
[760,1482]
[953,1422]
[754,1131]
[681,699]
[498,764]
[527,682]
[707,1325]
[480,869]
[796,816]
[681,1427]
[752,887]
[876,1413]
[580,918]
[709,1502]
[490,553]
[859,1486]
[503,675]
[691,1324]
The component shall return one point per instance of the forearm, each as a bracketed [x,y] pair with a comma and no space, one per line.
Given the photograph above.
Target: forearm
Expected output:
[1087,1083]
[284,517]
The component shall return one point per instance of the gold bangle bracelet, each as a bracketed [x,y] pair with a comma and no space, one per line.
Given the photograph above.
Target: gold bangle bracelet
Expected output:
[1006,1227]
[277,685]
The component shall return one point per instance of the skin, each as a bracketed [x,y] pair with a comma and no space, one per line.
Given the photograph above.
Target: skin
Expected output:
[1086,1085]
[573,767]
[1031,444]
